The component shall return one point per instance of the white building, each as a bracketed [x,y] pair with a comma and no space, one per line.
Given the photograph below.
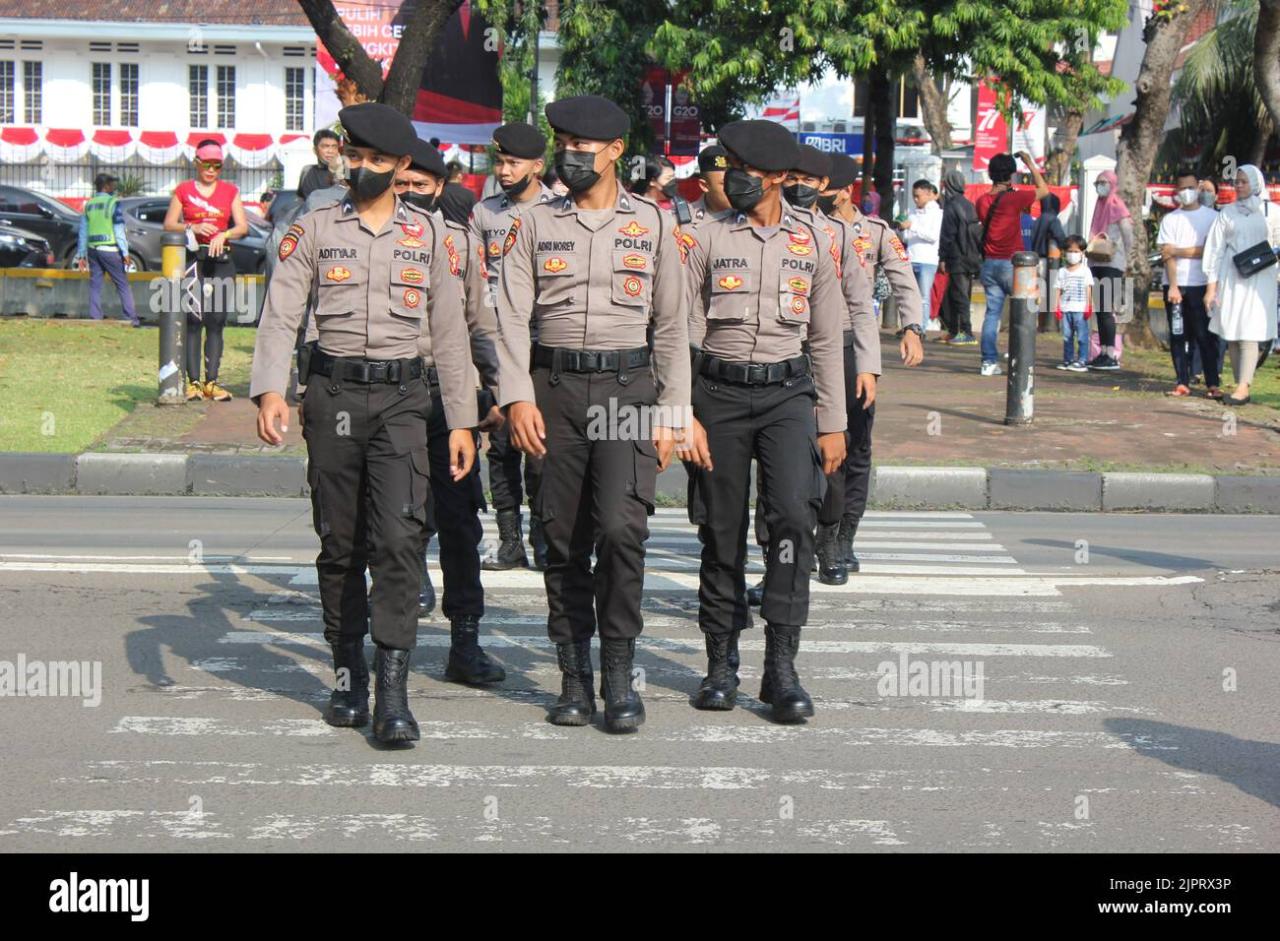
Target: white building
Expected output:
[130,87]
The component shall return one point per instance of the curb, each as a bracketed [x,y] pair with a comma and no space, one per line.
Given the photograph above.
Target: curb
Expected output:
[902,487]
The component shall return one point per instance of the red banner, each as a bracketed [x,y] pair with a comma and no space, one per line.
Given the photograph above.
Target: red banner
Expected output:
[990,132]
[653,95]
[686,121]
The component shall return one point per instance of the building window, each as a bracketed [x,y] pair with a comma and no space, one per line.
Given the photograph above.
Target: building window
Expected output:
[7,95]
[295,96]
[129,94]
[198,88]
[33,92]
[226,96]
[101,93]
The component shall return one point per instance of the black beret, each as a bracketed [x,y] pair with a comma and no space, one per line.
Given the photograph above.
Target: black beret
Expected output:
[426,158]
[520,140]
[379,126]
[456,203]
[712,159]
[812,162]
[844,172]
[765,145]
[588,116]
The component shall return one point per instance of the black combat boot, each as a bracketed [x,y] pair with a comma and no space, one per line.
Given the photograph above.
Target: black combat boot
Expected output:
[393,723]
[848,529]
[780,687]
[831,568]
[538,541]
[349,701]
[755,594]
[577,702]
[467,662]
[510,548]
[426,591]
[719,687]
[623,709]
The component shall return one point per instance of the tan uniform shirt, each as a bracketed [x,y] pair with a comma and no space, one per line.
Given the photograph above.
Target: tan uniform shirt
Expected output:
[756,297]
[376,293]
[594,280]
[860,313]
[490,222]
[878,245]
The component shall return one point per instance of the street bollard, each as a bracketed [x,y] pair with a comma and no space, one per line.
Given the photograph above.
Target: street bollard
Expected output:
[1019,403]
[173,323]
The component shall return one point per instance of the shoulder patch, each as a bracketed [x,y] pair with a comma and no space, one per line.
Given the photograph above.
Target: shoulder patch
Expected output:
[684,242]
[896,244]
[290,241]
[455,262]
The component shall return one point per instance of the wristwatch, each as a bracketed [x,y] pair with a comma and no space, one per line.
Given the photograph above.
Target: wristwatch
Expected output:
[916,329]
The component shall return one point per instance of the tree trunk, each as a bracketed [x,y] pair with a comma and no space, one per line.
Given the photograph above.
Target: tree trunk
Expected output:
[882,88]
[1058,164]
[869,123]
[1266,57]
[346,50]
[934,105]
[416,43]
[1139,141]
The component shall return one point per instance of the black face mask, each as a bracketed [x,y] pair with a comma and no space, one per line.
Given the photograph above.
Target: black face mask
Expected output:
[827,204]
[577,169]
[742,189]
[519,186]
[670,190]
[421,200]
[368,185]
[798,194]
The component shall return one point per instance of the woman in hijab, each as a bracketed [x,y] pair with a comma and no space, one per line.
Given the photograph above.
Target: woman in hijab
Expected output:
[1242,310]
[959,257]
[871,203]
[1111,220]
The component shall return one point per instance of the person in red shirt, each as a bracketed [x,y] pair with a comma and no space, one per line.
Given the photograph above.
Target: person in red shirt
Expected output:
[208,210]
[1000,212]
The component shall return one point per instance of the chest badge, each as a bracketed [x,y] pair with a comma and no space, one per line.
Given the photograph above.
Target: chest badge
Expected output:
[412,297]
[632,286]
[338,274]
[410,241]
[798,238]
[495,249]
[411,276]
[635,262]
[633,229]
[413,229]
[797,248]
[798,286]
[799,305]
[555,265]
[731,282]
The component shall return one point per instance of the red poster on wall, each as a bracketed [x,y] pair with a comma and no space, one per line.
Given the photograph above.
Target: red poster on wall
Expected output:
[990,132]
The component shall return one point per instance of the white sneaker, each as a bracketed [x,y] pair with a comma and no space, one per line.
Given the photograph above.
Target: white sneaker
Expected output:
[991,369]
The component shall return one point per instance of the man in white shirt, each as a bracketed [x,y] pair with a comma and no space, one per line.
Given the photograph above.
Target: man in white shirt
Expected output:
[920,233]
[1181,240]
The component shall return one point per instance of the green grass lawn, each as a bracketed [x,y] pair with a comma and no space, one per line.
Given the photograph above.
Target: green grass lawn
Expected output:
[1158,363]
[64,383]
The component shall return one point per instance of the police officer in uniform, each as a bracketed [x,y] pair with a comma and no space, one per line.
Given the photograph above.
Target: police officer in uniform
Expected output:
[456,504]
[592,271]
[875,245]
[380,271]
[712,162]
[519,172]
[763,283]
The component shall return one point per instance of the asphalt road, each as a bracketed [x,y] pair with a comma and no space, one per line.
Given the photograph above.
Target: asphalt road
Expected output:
[1128,697]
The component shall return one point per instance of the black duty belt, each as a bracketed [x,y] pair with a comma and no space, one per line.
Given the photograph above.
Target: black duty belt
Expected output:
[564,360]
[433,376]
[363,370]
[754,374]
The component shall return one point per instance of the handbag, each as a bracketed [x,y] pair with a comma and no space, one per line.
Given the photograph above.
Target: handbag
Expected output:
[1100,249]
[1258,257]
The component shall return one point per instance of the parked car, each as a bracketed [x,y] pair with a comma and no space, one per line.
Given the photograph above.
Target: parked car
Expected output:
[22,249]
[42,216]
[144,225]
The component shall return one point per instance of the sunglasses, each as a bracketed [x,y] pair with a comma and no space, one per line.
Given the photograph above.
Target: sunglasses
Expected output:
[210,164]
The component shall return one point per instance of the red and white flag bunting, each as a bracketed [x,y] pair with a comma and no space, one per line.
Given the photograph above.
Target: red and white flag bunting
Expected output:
[117,145]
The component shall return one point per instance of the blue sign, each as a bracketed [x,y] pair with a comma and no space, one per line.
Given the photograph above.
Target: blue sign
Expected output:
[848,144]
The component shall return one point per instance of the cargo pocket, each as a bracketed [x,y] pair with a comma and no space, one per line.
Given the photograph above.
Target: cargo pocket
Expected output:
[632,279]
[819,492]
[733,295]
[418,464]
[697,506]
[644,479]
[556,276]
[794,288]
[319,521]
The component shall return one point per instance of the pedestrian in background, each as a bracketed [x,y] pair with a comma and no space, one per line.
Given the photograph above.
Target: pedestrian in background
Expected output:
[921,232]
[1242,306]
[208,210]
[959,258]
[328,147]
[102,247]
[1073,285]
[1110,239]
[1047,241]
[1181,240]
